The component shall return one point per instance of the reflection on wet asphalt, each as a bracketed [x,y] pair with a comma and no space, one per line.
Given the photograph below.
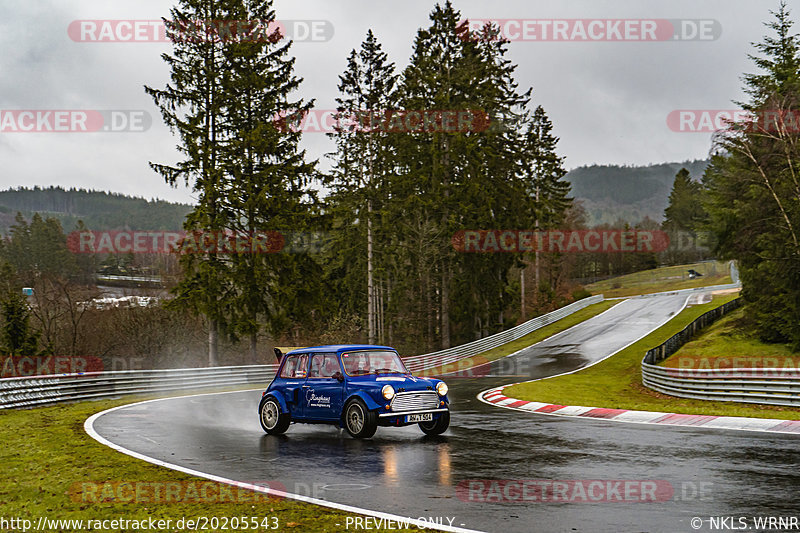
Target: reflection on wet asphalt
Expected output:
[712,473]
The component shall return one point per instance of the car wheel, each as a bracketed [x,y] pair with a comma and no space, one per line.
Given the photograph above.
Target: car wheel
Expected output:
[438,426]
[272,420]
[360,422]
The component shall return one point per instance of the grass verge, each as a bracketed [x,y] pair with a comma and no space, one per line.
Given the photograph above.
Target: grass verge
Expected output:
[727,344]
[523,342]
[52,468]
[662,279]
[616,382]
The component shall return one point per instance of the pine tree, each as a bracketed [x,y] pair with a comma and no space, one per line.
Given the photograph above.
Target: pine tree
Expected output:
[194,106]
[779,63]
[685,210]
[753,189]
[362,157]
[17,337]
[410,191]
[543,175]
[450,181]
[684,216]
[39,249]
[267,182]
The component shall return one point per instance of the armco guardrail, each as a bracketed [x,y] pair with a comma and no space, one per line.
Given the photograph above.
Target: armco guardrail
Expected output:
[451,355]
[658,354]
[773,386]
[42,390]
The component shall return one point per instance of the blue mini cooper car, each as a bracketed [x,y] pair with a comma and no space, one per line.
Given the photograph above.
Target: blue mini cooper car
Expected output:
[357,387]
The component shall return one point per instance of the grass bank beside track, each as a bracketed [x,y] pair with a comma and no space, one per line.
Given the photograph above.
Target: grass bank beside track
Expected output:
[617,381]
[52,468]
[523,342]
[664,279]
[727,344]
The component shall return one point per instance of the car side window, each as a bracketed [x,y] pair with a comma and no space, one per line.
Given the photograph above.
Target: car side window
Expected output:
[323,365]
[316,364]
[288,366]
[295,366]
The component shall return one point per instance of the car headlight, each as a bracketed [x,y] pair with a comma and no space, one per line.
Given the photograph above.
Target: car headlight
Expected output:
[441,388]
[388,392]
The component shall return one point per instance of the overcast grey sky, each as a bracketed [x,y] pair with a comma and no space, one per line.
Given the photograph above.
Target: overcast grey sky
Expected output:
[609,101]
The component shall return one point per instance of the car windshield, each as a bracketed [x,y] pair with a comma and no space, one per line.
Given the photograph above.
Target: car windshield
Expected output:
[373,362]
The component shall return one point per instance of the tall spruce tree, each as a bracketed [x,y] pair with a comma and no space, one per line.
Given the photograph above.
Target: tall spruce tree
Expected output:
[438,78]
[412,189]
[465,179]
[267,179]
[362,161]
[685,209]
[684,216]
[193,106]
[18,336]
[543,175]
[231,80]
[753,188]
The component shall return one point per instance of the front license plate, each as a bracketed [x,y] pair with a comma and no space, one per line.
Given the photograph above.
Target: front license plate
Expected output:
[424,417]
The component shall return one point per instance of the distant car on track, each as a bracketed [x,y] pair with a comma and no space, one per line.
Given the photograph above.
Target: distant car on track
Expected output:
[356,387]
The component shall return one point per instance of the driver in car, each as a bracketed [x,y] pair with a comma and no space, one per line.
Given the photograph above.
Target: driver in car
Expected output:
[328,367]
[363,367]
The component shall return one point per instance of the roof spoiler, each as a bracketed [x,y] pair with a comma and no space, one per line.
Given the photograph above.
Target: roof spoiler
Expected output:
[278,355]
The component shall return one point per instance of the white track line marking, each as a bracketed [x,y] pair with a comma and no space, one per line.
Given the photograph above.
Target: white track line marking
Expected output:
[88,426]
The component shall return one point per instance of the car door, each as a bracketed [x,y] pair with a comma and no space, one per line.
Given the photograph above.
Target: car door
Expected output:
[323,389]
[293,378]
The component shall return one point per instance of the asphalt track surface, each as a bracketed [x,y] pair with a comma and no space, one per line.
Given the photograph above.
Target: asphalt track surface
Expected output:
[709,473]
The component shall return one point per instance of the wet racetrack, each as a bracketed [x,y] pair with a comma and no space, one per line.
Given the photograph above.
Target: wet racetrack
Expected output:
[711,472]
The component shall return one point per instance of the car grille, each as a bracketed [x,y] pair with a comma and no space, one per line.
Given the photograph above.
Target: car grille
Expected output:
[415,401]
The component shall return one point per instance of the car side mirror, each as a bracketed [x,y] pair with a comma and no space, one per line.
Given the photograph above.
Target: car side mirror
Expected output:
[278,354]
[338,376]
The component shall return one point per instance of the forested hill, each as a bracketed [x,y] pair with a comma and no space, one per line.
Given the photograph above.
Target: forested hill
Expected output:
[98,210]
[610,192]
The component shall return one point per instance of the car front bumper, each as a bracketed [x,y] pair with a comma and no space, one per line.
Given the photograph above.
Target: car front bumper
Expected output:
[392,414]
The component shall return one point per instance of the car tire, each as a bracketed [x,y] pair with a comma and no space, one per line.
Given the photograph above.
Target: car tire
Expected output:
[438,426]
[360,422]
[273,421]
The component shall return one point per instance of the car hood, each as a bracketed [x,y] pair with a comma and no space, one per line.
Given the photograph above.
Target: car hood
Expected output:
[408,383]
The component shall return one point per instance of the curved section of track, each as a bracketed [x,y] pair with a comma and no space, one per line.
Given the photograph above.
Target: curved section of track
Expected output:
[400,471]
